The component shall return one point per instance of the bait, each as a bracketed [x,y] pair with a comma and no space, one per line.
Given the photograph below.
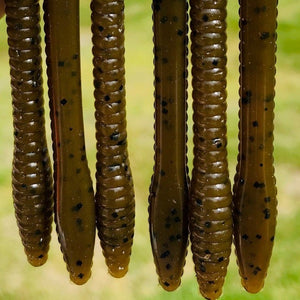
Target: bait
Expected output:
[74,196]
[168,200]
[115,206]
[31,175]
[210,203]
[254,189]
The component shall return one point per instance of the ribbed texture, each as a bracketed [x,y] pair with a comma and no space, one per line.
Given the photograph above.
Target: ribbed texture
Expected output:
[254,189]
[31,176]
[115,207]
[210,206]
[169,190]
[74,196]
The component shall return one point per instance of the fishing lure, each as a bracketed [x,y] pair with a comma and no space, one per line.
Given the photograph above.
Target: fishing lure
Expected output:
[168,200]
[210,203]
[74,196]
[31,175]
[115,206]
[254,189]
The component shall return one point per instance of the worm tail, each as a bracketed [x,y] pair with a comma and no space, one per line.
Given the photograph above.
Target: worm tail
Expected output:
[254,192]
[115,206]
[31,176]
[210,205]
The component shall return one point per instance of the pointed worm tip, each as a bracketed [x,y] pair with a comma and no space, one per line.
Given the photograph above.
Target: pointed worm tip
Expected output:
[118,271]
[80,278]
[169,285]
[37,261]
[252,286]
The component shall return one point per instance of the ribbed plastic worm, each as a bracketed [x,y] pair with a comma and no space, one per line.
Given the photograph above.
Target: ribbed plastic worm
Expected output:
[114,195]
[74,197]
[168,214]
[210,206]
[254,190]
[31,176]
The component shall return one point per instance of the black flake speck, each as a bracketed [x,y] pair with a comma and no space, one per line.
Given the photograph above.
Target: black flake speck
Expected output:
[220,259]
[165,254]
[115,136]
[114,215]
[78,262]
[258,236]
[245,237]
[259,185]
[77,207]
[63,102]
[207,224]
[247,98]
[264,35]
[255,124]
[179,32]
[205,18]
[215,62]
[267,199]
[61,63]
[267,213]
[199,201]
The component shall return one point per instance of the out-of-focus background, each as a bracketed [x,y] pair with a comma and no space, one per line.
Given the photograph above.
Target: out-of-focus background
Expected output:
[19,280]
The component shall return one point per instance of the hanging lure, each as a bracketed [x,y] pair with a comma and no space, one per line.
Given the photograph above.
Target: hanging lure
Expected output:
[115,207]
[168,215]
[31,176]
[74,197]
[210,206]
[254,190]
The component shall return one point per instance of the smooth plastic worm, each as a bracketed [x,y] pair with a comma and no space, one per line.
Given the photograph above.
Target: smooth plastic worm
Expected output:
[168,215]
[115,207]
[210,205]
[31,176]
[74,197]
[254,190]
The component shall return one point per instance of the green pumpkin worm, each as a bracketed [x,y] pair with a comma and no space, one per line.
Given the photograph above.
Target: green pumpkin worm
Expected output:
[168,200]
[210,203]
[115,207]
[74,197]
[31,175]
[254,189]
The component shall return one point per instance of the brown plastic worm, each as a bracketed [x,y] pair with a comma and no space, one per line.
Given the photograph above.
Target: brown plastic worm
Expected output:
[31,176]
[168,214]
[115,207]
[210,206]
[74,197]
[254,190]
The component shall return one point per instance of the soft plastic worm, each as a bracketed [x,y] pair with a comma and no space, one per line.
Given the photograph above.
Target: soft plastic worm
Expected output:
[31,176]
[210,206]
[254,190]
[74,197]
[114,188]
[168,215]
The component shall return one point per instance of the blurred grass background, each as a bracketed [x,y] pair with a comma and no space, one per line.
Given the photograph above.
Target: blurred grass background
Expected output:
[18,280]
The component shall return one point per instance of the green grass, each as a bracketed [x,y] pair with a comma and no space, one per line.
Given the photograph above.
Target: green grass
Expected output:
[18,280]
